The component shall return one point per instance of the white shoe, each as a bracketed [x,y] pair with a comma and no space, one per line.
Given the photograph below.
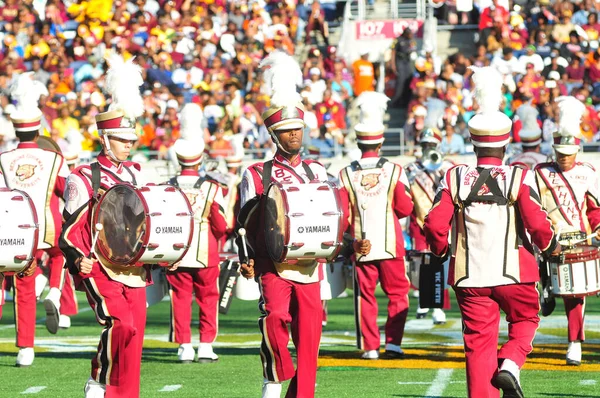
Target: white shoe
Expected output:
[507,379]
[206,354]
[52,307]
[422,312]
[186,353]
[25,357]
[371,354]
[40,283]
[93,389]
[415,294]
[574,353]
[64,321]
[271,389]
[438,316]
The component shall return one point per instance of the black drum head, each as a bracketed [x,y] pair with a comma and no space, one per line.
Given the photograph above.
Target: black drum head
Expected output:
[123,217]
[275,224]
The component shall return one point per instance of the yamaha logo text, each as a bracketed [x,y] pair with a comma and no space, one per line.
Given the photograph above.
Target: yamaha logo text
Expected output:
[312,229]
[169,230]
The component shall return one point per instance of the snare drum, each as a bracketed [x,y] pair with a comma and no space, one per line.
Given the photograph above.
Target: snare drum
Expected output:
[18,230]
[303,221]
[159,288]
[575,272]
[150,225]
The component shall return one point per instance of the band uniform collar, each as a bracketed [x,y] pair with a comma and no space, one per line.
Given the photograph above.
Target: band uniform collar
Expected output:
[189,172]
[27,145]
[107,164]
[489,161]
[369,154]
[281,159]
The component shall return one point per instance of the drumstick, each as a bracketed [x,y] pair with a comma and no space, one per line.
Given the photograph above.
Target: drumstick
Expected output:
[99,228]
[362,221]
[571,242]
[242,233]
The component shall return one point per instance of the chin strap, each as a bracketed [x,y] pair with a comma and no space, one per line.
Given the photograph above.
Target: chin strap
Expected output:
[109,151]
[277,143]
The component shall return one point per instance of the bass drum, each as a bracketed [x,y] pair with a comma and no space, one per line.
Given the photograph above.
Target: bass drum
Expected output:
[333,283]
[18,230]
[575,272]
[150,225]
[303,222]
[159,289]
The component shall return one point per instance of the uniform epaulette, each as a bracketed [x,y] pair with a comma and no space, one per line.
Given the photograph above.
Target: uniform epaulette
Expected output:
[586,164]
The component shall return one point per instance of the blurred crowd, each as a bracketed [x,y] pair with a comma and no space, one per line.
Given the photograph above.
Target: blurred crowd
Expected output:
[543,49]
[202,51]
[208,52]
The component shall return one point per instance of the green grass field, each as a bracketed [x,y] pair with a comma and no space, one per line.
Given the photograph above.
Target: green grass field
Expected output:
[434,366]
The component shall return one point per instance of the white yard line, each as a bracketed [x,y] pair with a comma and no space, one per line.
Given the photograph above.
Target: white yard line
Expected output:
[170,388]
[34,390]
[587,382]
[441,381]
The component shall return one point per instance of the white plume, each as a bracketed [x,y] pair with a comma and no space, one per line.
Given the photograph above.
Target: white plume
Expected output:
[282,77]
[372,106]
[488,88]
[26,92]
[123,81]
[571,112]
[191,117]
[529,118]
[435,112]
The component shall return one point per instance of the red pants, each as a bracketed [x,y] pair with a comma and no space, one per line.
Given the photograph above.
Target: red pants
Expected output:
[122,312]
[55,265]
[24,303]
[575,309]
[480,309]
[204,284]
[395,284]
[283,301]
[68,300]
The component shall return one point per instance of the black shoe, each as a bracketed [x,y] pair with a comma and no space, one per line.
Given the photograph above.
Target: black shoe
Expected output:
[52,316]
[509,385]
[421,315]
[572,362]
[393,355]
[547,305]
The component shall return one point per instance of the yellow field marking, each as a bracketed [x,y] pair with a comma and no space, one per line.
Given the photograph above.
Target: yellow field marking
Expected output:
[544,357]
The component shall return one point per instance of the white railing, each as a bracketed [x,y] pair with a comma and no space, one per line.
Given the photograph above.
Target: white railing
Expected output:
[359,10]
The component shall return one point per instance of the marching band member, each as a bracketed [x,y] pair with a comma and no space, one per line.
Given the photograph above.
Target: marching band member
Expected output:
[424,176]
[42,174]
[117,295]
[289,292]
[489,208]
[531,139]
[378,194]
[198,271]
[68,299]
[231,193]
[569,190]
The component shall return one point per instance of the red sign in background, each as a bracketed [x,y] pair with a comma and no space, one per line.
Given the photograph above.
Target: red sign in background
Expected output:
[371,30]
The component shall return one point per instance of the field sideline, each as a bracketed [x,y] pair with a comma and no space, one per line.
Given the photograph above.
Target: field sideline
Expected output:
[434,365]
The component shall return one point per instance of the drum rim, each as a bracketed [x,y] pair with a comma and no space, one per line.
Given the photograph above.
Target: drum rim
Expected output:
[146,237]
[286,233]
[573,258]
[172,188]
[36,235]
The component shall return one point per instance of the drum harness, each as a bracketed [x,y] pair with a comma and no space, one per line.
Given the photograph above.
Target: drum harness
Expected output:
[95,168]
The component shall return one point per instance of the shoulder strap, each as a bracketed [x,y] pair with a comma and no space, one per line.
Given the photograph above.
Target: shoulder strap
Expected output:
[381,162]
[355,166]
[308,171]
[173,181]
[485,178]
[199,182]
[95,178]
[266,175]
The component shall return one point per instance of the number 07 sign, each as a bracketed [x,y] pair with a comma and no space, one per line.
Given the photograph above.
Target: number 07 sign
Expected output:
[374,30]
